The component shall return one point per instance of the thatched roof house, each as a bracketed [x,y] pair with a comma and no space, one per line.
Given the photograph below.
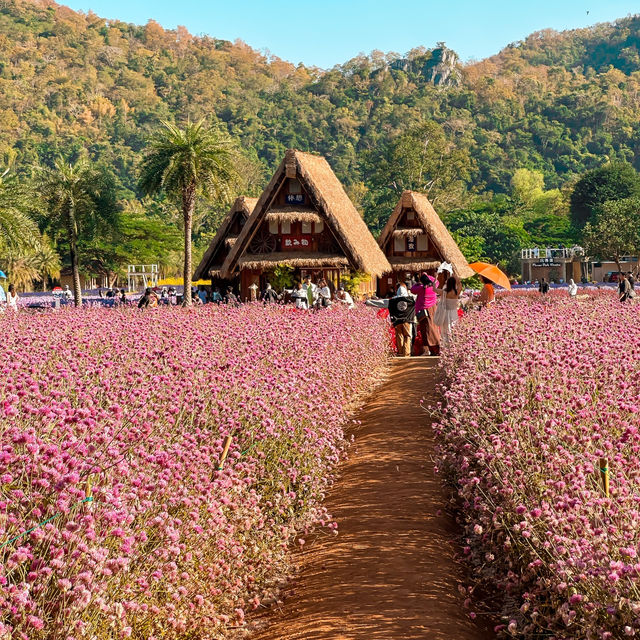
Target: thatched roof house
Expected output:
[305,220]
[415,239]
[227,234]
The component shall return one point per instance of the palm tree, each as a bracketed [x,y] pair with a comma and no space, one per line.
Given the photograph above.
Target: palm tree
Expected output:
[18,231]
[79,198]
[46,261]
[184,163]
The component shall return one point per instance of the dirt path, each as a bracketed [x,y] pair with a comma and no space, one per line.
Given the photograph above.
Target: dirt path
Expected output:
[390,573]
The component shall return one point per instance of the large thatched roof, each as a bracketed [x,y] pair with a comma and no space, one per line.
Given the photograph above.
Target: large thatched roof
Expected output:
[243,206]
[430,221]
[329,200]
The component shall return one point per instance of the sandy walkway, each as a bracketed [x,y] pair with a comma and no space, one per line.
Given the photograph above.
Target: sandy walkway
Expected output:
[390,573]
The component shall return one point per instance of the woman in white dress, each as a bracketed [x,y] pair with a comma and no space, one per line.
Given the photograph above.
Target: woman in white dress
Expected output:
[12,298]
[573,289]
[450,298]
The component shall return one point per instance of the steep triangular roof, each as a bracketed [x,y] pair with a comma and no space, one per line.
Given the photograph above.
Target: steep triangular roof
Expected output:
[431,223]
[329,200]
[242,207]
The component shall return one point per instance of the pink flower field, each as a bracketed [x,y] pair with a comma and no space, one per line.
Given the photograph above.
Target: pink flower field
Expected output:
[115,520]
[536,393]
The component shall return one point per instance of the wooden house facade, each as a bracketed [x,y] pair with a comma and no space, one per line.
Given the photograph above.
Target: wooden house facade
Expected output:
[414,240]
[304,220]
[228,232]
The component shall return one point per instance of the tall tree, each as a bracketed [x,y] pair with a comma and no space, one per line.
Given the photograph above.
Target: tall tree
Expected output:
[614,231]
[80,200]
[612,181]
[18,230]
[185,163]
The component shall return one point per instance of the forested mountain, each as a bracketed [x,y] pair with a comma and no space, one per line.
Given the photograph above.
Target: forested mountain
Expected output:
[556,103]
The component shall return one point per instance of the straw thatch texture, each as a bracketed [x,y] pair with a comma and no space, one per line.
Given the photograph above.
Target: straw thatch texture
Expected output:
[430,221]
[292,214]
[230,240]
[333,205]
[399,263]
[291,259]
[408,233]
[242,206]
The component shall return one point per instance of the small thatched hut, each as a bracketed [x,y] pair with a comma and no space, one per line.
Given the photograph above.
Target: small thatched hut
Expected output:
[227,234]
[415,239]
[304,220]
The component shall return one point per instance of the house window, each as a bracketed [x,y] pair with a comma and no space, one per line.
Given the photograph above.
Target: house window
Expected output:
[286,227]
[306,227]
[295,186]
[319,226]
[273,227]
[423,242]
[411,214]
[399,243]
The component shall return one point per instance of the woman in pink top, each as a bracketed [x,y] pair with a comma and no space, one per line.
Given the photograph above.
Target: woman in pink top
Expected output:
[426,301]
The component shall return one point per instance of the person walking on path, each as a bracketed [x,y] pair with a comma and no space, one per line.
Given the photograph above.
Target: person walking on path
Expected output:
[402,311]
[451,302]
[426,301]
[12,298]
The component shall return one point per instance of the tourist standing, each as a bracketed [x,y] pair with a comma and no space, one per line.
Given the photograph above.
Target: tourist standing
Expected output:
[269,296]
[632,281]
[451,302]
[624,289]
[299,297]
[573,289]
[543,288]
[402,311]
[216,296]
[323,295]
[311,290]
[230,297]
[425,307]
[145,299]
[12,298]
[488,294]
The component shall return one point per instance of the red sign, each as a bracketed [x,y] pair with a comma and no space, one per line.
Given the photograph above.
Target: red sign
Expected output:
[301,243]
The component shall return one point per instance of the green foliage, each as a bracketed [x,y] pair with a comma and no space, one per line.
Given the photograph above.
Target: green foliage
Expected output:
[614,231]
[352,282]
[612,181]
[281,277]
[184,163]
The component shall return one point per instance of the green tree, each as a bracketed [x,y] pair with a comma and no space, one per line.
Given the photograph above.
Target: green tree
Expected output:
[612,181]
[527,186]
[18,205]
[46,261]
[80,202]
[614,231]
[185,163]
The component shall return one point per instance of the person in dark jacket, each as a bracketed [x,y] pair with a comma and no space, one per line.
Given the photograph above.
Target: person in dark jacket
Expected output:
[402,311]
[544,287]
[268,295]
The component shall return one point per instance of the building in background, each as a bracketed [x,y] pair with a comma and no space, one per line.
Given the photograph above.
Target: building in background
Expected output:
[305,221]
[414,240]
[558,264]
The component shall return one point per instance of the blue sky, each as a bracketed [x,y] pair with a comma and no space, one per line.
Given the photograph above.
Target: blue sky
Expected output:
[328,32]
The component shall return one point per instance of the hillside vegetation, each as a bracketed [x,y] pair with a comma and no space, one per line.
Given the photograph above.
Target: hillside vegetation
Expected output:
[556,104]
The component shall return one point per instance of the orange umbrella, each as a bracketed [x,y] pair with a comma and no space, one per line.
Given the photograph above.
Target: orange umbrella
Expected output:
[491,272]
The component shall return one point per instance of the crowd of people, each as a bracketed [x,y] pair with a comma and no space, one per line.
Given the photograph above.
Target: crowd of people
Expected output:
[424,310]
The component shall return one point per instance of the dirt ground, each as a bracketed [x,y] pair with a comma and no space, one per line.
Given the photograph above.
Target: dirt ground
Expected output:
[390,573]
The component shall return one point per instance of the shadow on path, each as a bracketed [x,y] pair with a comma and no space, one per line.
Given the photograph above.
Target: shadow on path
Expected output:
[390,573]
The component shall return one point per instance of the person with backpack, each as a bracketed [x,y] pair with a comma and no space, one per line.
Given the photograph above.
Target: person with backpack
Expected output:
[269,296]
[402,311]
